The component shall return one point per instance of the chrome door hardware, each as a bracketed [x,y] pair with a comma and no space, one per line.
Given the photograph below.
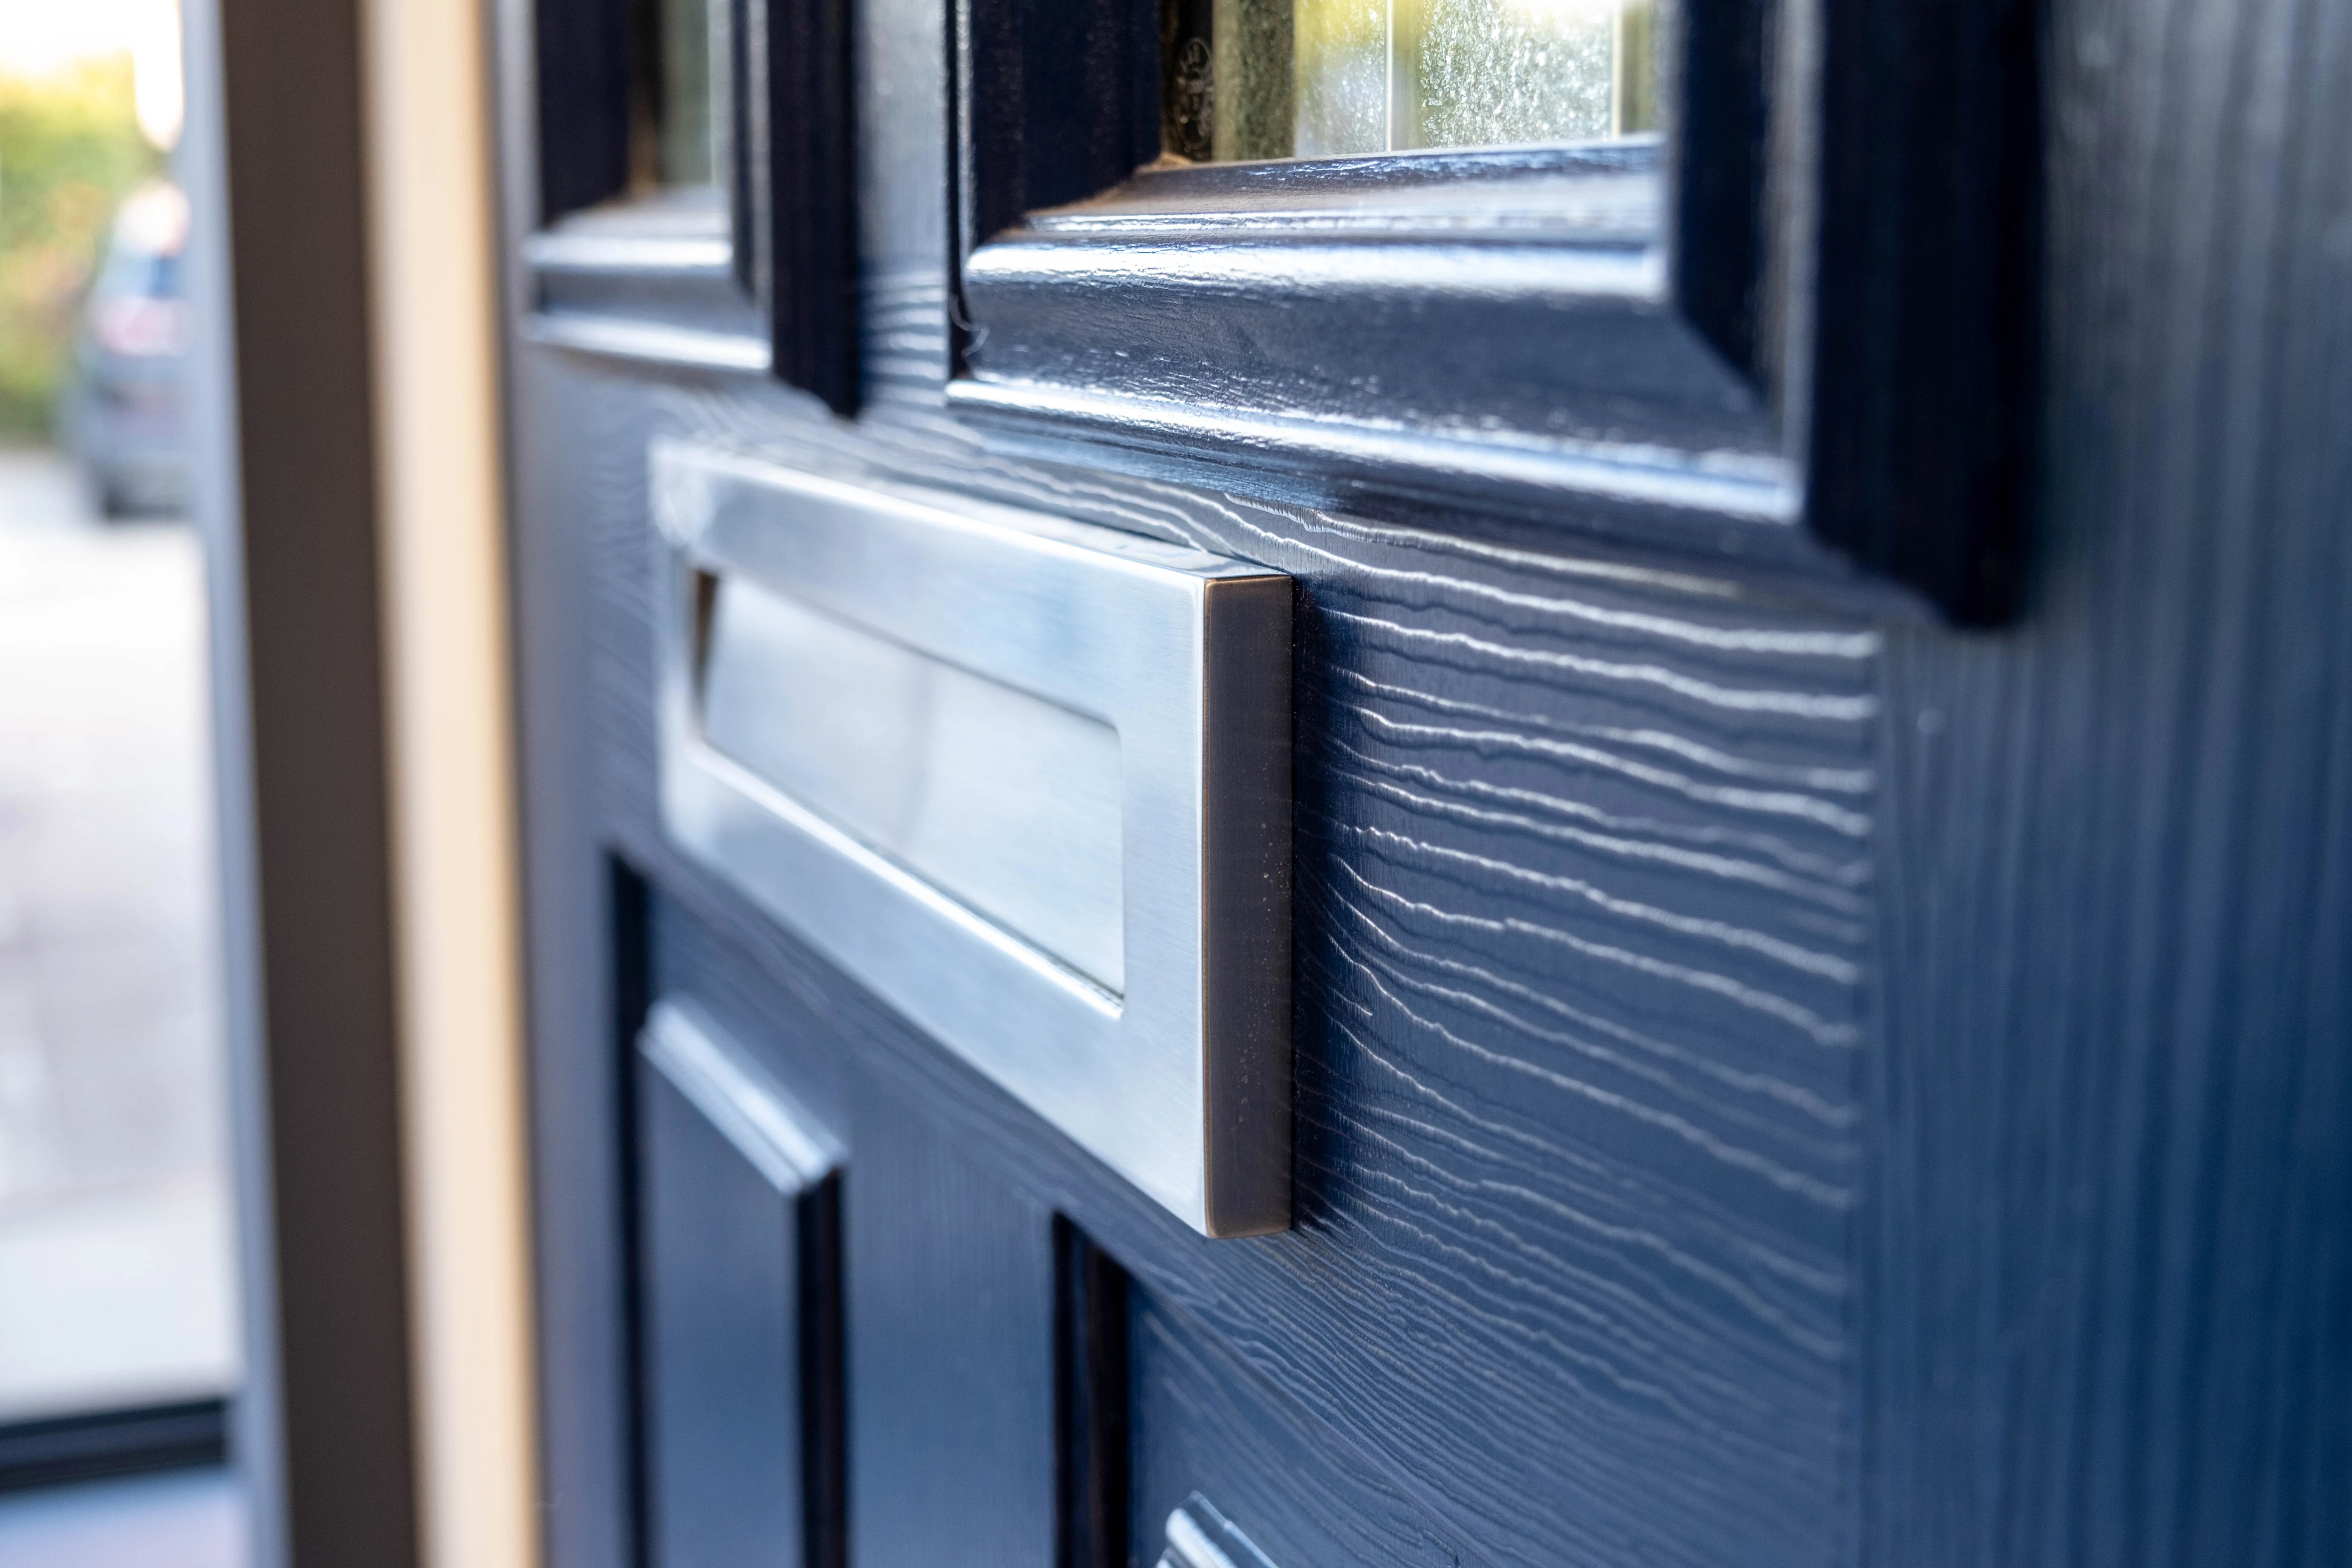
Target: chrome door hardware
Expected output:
[1027,778]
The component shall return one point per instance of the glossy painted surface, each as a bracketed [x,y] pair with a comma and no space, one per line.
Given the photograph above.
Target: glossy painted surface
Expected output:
[730,1168]
[1581,871]
[1777,1080]
[1499,328]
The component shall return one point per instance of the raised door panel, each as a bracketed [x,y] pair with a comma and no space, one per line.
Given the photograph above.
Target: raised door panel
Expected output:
[737,1286]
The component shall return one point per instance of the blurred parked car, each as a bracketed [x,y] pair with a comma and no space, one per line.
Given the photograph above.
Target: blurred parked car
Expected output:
[123,416]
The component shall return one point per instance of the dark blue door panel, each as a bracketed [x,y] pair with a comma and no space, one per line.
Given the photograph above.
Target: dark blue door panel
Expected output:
[1779,1080]
[737,1291]
[1204,1426]
[721,1364]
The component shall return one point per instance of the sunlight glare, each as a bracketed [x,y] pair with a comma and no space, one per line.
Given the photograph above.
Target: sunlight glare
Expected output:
[41,37]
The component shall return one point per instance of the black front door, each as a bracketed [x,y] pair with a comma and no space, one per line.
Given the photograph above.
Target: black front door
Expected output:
[1461,781]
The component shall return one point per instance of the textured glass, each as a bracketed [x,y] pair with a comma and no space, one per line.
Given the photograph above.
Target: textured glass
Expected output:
[1319,79]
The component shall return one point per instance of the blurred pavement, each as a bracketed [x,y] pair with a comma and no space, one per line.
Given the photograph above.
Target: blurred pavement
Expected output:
[116,1280]
[193,1520]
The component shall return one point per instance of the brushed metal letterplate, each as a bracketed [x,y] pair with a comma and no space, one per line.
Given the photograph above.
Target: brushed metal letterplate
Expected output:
[1026,779]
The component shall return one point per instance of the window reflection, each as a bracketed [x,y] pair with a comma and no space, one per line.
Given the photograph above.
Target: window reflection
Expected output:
[1314,78]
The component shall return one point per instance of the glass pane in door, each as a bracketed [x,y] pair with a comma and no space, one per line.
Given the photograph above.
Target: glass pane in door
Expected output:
[1313,79]
[682,93]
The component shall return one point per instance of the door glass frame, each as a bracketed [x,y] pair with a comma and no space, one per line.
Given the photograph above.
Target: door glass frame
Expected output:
[1084,279]
[756,275]
[1616,336]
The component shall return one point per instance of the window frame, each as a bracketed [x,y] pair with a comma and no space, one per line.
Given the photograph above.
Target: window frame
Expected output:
[1699,399]
[762,280]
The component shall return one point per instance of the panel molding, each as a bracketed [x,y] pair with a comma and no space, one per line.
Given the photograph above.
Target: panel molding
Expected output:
[747,1107]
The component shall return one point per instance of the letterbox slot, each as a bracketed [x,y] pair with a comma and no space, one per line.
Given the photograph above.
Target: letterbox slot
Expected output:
[1027,778]
[1003,801]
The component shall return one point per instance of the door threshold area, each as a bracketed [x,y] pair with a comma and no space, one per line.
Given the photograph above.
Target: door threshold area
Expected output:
[188,1519]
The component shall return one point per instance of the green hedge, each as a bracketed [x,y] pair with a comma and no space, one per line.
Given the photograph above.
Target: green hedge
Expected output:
[69,151]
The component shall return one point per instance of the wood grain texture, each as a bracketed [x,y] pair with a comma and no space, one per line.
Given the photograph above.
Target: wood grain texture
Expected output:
[1583,879]
[1777,1082]
[950,1289]
[2110,1316]
[1206,1422]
